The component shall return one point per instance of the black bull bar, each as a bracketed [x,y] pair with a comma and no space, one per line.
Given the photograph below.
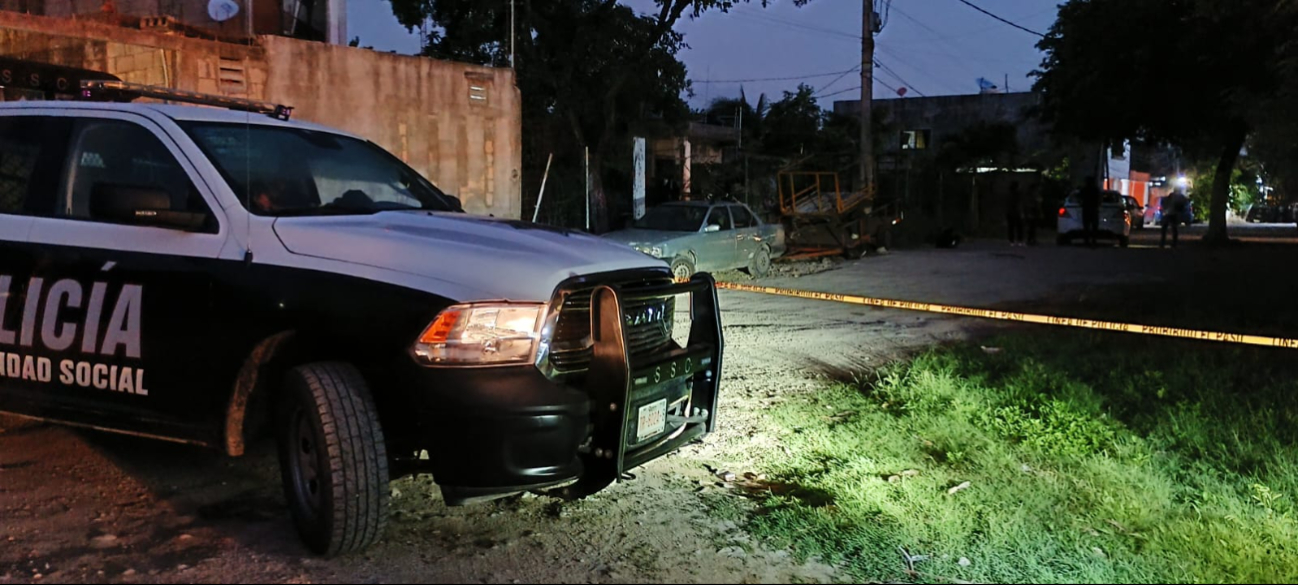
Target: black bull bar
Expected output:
[617,382]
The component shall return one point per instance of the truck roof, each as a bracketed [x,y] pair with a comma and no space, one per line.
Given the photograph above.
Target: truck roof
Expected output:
[178,113]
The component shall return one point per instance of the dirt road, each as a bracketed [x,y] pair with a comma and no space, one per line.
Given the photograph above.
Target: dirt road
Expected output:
[85,507]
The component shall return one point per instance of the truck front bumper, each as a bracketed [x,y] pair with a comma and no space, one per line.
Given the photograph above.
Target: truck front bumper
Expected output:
[499,431]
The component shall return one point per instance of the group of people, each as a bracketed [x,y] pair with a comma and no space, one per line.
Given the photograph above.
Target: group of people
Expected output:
[1023,214]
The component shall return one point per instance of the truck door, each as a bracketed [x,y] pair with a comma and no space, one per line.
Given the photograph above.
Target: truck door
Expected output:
[748,233]
[126,306]
[718,249]
[32,150]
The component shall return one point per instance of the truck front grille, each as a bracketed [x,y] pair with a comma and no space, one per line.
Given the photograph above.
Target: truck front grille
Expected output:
[647,323]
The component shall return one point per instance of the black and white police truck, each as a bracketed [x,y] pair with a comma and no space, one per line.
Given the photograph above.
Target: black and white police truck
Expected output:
[194,274]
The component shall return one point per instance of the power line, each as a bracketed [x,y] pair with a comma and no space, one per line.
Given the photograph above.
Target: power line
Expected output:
[768,19]
[896,57]
[857,88]
[885,84]
[765,19]
[840,78]
[884,10]
[968,64]
[1009,22]
[901,79]
[973,33]
[886,6]
[794,78]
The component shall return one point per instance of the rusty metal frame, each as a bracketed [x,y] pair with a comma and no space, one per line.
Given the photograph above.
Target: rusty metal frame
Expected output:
[790,194]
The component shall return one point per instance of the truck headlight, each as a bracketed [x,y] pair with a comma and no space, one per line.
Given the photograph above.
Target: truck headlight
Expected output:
[471,335]
[656,251]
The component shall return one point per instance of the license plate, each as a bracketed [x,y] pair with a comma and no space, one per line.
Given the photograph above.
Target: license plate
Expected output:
[652,420]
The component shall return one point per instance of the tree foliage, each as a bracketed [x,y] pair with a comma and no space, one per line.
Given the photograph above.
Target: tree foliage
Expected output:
[1275,141]
[986,144]
[1193,73]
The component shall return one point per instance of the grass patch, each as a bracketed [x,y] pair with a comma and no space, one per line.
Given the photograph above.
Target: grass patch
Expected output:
[1089,458]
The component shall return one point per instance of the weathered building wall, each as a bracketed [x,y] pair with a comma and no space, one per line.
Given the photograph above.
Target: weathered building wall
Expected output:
[135,55]
[324,20]
[460,125]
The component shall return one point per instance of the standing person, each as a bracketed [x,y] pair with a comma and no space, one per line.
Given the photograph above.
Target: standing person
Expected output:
[1014,215]
[1032,213]
[1091,196]
[1174,208]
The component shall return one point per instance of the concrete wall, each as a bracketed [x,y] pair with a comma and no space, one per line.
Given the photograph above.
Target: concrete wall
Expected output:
[460,125]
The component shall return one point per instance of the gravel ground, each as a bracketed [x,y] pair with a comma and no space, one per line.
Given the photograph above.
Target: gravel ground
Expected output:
[87,507]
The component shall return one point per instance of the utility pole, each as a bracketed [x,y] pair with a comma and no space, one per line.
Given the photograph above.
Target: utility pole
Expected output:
[867,96]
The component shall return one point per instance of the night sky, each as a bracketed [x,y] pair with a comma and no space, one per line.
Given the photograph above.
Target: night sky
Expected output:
[933,47]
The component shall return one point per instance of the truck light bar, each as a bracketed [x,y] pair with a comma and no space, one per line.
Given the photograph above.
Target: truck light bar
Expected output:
[121,90]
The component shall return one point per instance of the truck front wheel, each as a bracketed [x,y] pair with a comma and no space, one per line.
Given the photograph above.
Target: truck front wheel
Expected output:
[332,458]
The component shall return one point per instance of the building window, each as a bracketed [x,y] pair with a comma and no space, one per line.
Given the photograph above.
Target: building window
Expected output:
[915,139]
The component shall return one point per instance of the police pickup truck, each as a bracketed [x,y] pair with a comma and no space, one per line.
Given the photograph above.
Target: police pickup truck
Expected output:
[186,273]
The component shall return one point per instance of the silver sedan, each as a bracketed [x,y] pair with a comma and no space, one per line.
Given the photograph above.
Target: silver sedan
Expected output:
[703,236]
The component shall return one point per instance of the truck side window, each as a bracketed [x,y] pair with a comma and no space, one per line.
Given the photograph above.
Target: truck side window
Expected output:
[31,159]
[120,153]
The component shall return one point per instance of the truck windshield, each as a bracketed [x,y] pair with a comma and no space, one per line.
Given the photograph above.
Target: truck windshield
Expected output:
[279,171]
[673,218]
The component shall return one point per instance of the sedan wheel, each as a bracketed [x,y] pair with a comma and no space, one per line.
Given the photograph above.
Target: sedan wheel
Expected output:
[760,264]
[682,268]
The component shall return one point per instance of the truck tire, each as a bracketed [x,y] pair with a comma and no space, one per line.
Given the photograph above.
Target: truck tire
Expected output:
[682,268]
[760,264]
[333,458]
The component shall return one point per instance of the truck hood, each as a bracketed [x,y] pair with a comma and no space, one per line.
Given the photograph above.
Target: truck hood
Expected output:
[636,237]
[499,259]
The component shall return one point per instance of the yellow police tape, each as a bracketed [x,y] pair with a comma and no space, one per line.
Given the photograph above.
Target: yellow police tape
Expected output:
[1019,317]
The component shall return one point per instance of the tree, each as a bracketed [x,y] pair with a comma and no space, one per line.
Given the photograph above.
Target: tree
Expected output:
[792,127]
[1110,75]
[1275,142]
[593,66]
[984,144]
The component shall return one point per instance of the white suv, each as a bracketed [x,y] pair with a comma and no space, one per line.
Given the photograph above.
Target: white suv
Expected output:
[172,272]
[1115,220]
